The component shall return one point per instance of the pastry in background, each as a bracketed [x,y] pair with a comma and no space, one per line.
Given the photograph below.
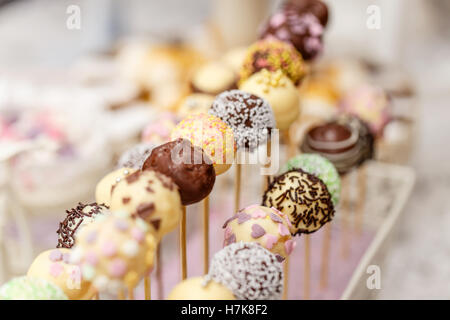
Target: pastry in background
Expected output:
[198,288]
[194,103]
[315,7]
[213,78]
[159,129]
[30,288]
[234,58]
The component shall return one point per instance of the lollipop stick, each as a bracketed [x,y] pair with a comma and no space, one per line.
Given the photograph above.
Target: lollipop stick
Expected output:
[286,278]
[148,288]
[130,293]
[345,211]
[96,296]
[266,179]
[237,188]
[306,284]
[120,295]
[205,234]
[183,244]
[361,200]
[325,256]
[159,270]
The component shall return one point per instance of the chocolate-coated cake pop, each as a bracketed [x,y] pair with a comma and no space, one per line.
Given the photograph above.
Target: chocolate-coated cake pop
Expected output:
[316,7]
[346,142]
[250,117]
[249,271]
[78,217]
[302,30]
[303,197]
[188,166]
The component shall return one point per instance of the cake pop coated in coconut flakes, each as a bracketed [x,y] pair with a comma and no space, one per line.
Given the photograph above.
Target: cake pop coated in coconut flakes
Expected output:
[250,117]
[248,270]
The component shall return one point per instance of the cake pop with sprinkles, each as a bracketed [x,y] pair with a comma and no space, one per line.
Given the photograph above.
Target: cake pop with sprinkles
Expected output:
[78,217]
[303,197]
[105,187]
[151,196]
[266,226]
[321,168]
[250,271]
[188,166]
[115,252]
[30,288]
[54,265]
[250,117]
[273,55]
[211,134]
[135,156]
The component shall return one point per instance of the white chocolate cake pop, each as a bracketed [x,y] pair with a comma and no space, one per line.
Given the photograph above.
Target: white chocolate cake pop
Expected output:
[151,196]
[30,288]
[197,289]
[249,271]
[266,226]
[54,266]
[303,197]
[104,187]
[115,252]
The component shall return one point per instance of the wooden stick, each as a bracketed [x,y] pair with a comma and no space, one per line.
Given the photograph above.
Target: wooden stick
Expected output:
[307,274]
[159,272]
[345,212]
[325,256]
[205,235]
[266,179]
[237,188]
[130,293]
[148,287]
[361,199]
[120,295]
[286,278]
[96,296]
[183,244]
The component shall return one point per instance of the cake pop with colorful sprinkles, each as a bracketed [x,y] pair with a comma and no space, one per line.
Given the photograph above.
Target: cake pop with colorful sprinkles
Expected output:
[188,166]
[78,217]
[273,55]
[303,197]
[279,92]
[321,168]
[151,196]
[115,252]
[250,117]
[211,134]
[250,271]
[54,266]
[266,226]
[30,288]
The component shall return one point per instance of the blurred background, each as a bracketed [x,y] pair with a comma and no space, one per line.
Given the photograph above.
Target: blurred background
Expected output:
[91,80]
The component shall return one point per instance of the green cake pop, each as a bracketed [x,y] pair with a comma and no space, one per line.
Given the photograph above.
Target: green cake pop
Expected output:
[321,168]
[29,288]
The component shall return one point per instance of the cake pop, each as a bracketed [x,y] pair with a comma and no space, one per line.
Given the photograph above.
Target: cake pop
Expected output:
[78,217]
[55,267]
[149,195]
[115,252]
[197,289]
[135,156]
[303,30]
[273,55]
[316,7]
[158,131]
[370,104]
[303,197]
[212,135]
[195,103]
[188,166]
[279,91]
[30,288]
[213,78]
[321,168]
[248,270]
[250,117]
[346,142]
[104,188]
[266,226]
